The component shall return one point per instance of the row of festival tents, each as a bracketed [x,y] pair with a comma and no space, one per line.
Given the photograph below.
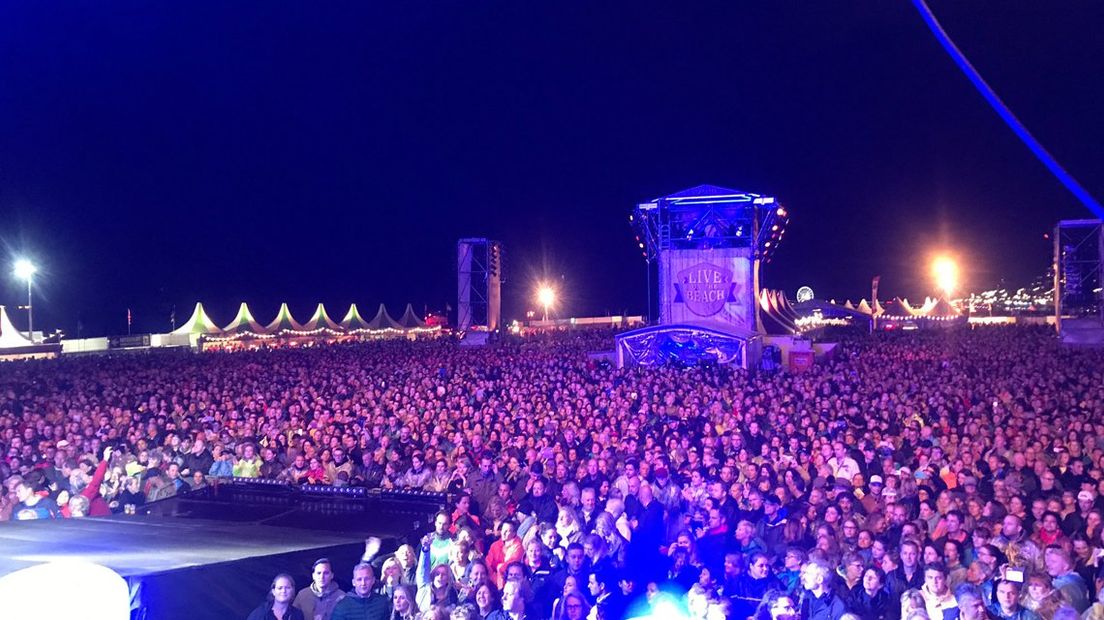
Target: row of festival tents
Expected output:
[901,310]
[320,322]
[779,316]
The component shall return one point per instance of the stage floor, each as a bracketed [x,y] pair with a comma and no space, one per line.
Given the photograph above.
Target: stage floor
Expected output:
[213,553]
[144,545]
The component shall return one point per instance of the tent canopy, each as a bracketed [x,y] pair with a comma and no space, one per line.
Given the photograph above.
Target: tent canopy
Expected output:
[410,320]
[943,309]
[321,320]
[353,320]
[283,321]
[10,337]
[899,309]
[382,320]
[244,323]
[199,323]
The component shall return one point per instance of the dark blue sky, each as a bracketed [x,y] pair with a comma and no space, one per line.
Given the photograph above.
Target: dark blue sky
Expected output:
[153,154]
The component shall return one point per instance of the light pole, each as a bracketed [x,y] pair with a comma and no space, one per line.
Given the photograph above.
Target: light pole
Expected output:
[546,296]
[25,270]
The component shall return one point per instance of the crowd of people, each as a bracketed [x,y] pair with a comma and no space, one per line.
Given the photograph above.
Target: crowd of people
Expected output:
[926,475]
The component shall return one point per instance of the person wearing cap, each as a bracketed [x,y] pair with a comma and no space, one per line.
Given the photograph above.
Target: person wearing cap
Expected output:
[871,497]
[772,527]
[1076,520]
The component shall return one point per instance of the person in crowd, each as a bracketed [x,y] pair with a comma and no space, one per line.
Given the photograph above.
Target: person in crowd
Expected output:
[504,551]
[817,600]
[908,575]
[1074,590]
[936,590]
[609,601]
[1007,605]
[513,603]
[750,587]
[33,503]
[776,605]
[278,605]
[971,604]
[363,603]
[870,600]
[486,599]
[913,606]
[572,606]
[438,591]
[403,605]
[318,600]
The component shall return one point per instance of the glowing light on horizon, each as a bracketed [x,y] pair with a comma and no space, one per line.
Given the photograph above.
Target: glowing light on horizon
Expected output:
[945,272]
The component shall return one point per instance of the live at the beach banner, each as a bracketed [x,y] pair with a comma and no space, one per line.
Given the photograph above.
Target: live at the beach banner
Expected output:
[709,285]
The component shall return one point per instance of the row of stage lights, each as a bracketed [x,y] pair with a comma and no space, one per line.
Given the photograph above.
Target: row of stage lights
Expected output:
[336,491]
[778,219]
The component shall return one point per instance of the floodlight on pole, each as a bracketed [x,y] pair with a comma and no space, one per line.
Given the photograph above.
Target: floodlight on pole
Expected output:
[546,297]
[25,270]
[945,272]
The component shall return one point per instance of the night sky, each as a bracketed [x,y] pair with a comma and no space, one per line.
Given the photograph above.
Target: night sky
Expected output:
[155,154]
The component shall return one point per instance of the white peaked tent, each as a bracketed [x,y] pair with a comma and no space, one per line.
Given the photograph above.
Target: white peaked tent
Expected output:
[283,322]
[199,323]
[410,320]
[382,320]
[864,307]
[244,323]
[353,321]
[10,337]
[321,320]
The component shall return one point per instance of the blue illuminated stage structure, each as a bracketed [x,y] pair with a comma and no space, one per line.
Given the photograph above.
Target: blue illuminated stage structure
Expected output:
[708,244]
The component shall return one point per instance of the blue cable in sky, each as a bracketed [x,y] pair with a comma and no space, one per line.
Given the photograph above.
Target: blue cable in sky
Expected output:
[1009,118]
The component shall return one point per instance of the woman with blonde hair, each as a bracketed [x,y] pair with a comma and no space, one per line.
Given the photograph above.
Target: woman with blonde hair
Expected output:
[391,577]
[567,526]
[912,602]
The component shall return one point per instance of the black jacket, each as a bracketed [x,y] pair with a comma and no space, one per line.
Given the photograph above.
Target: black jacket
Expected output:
[869,607]
[264,612]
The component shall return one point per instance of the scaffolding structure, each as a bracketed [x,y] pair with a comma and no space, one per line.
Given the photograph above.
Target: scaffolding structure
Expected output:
[1078,272]
[478,284]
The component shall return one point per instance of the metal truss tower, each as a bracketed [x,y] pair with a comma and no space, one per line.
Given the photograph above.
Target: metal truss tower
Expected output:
[479,284]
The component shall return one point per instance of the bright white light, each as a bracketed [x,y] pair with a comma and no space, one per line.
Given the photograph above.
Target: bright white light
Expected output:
[546,296]
[24,269]
[92,592]
[945,272]
[664,607]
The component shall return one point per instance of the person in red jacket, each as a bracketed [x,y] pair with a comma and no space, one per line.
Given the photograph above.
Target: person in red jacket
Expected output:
[89,502]
[504,551]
